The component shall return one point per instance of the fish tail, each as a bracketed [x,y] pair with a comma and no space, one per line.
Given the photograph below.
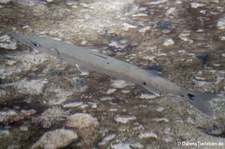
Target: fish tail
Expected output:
[201,101]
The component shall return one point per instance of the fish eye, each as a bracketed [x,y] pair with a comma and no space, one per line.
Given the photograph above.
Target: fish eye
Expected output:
[36,44]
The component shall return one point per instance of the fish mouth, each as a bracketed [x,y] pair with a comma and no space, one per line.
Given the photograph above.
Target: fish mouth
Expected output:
[16,37]
[21,38]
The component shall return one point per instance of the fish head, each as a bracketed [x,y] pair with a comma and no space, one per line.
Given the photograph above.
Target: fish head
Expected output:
[42,44]
[32,41]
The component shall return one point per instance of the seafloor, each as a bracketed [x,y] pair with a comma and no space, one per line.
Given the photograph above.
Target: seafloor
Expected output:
[46,102]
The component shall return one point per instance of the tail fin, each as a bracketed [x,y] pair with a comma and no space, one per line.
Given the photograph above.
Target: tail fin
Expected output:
[201,101]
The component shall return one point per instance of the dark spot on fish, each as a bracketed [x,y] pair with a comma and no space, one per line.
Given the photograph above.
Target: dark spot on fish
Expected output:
[107,63]
[58,53]
[144,83]
[36,44]
[182,95]
[191,96]
[99,55]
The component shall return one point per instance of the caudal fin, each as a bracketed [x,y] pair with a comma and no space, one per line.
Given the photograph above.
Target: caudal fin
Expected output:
[201,101]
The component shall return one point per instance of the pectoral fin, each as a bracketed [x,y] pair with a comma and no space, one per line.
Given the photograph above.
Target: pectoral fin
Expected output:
[152,89]
[83,70]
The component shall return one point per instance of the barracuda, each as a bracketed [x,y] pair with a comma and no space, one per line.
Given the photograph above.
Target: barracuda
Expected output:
[113,67]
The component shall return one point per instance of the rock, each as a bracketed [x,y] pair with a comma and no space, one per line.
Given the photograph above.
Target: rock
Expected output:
[28,2]
[4,1]
[71,2]
[80,84]
[185,36]
[221,23]
[222,38]
[164,26]
[120,146]
[75,105]
[124,119]
[24,128]
[7,43]
[147,96]
[59,138]
[106,98]
[168,42]
[171,11]
[144,29]
[127,26]
[30,87]
[107,139]
[20,63]
[118,44]
[197,4]
[147,135]
[4,133]
[28,112]
[110,91]
[215,131]
[58,92]
[160,109]
[125,91]
[49,1]
[119,83]
[87,126]
[168,139]
[163,119]
[2,94]
[127,145]
[7,115]
[136,145]
[158,2]
[51,116]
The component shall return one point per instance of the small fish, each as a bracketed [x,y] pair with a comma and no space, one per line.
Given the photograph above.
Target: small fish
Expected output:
[91,60]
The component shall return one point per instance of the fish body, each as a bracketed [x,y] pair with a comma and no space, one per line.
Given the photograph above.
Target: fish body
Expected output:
[95,61]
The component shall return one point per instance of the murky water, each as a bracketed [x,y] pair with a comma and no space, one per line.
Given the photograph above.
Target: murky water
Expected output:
[41,95]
